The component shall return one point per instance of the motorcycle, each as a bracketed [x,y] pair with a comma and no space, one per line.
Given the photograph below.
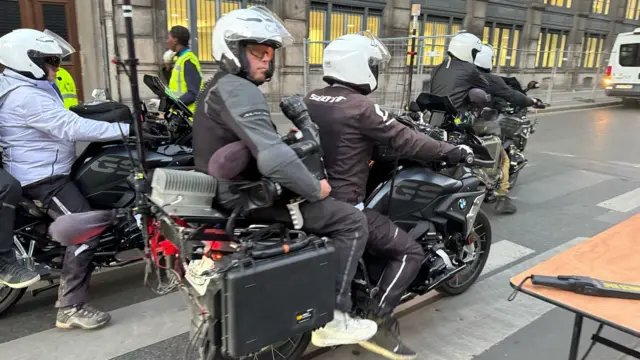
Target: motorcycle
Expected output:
[516,128]
[487,140]
[438,205]
[101,172]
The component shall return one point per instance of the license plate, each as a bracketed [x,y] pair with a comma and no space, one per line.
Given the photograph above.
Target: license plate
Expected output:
[624,86]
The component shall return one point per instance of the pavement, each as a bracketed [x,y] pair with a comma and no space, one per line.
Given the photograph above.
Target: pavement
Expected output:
[583,177]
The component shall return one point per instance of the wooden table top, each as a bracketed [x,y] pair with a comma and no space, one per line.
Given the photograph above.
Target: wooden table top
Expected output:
[613,255]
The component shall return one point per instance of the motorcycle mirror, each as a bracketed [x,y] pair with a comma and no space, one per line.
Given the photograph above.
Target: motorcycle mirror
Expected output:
[533,85]
[99,94]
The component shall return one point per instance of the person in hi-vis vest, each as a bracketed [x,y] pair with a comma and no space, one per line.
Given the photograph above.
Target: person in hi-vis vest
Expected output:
[186,76]
[67,88]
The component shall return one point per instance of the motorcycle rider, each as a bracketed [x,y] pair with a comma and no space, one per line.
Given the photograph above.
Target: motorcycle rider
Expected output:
[496,84]
[501,91]
[454,78]
[350,127]
[12,273]
[232,108]
[38,136]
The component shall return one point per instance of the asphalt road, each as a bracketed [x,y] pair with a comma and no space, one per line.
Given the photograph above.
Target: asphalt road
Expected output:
[581,180]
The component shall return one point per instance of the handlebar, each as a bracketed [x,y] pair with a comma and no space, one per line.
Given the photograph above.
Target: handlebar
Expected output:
[470,160]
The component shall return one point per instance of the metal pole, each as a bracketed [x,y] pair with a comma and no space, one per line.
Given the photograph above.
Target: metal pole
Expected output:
[132,63]
[415,12]
[597,79]
[305,61]
[553,76]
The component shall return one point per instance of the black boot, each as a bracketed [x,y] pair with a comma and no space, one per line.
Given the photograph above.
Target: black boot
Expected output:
[14,275]
[505,206]
[386,342]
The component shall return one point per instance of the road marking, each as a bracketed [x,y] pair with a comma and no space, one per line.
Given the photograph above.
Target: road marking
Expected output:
[132,327]
[557,154]
[461,327]
[559,185]
[623,203]
[623,163]
[550,113]
[504,252]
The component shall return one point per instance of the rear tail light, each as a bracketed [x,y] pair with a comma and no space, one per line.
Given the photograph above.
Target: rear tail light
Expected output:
[607,73]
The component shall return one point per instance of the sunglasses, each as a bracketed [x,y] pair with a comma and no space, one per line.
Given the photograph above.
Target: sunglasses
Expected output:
[261,52]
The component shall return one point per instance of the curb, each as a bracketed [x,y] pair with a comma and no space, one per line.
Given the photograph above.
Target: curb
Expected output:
[551,108]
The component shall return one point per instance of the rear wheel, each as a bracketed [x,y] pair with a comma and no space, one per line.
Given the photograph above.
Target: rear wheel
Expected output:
[463,280]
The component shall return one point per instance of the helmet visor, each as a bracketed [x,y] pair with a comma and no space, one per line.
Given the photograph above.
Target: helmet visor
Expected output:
[258,24]
[382,55]
[67,49]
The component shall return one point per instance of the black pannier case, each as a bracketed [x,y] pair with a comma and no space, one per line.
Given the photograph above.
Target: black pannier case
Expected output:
[268,301]
[110,112]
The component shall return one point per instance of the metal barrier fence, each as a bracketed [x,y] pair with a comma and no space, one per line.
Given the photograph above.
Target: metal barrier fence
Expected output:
[564,76]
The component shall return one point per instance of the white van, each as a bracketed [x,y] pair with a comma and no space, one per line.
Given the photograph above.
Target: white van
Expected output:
[622,77]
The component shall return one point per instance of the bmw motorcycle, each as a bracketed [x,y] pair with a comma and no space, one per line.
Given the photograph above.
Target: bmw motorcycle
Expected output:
[101,172]
[438,205]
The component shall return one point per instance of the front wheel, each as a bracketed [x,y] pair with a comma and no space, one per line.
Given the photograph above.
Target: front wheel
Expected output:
[463,280]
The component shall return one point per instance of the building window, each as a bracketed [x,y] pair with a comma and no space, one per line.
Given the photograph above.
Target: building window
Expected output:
[552,45]
[561,3]
[591,53]
[505,40]
[206,14]
[328,22]
[633,10]
[436,33]
[600,7]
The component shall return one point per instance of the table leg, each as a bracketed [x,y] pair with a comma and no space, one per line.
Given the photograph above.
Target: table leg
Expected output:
[575,340]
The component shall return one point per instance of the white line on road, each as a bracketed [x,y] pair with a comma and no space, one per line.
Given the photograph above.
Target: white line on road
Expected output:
[623,163]
[624,202]
[557,154]
[464,326]
[132,327]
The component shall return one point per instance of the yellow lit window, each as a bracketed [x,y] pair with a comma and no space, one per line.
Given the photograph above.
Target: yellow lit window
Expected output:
[436,35]
[600,7]
[550,50]
[342,21]
[592,51]
[561,3]
[499,38]
[633,10]
[177,13]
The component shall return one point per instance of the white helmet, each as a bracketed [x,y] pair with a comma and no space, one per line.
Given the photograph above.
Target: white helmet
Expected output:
[353,60]
[26,51]
[465,46]
[236,29]
[484,59]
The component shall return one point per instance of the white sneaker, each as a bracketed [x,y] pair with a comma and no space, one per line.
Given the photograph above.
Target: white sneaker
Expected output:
[343,330]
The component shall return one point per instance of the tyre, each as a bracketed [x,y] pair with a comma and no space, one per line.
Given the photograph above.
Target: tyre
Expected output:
[467,277]
[9,297]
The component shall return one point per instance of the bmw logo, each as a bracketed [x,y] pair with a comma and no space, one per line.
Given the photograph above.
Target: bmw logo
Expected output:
[462,203]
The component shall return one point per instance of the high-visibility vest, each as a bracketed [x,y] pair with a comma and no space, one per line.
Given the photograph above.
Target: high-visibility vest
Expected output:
[177,83]
[67,87]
